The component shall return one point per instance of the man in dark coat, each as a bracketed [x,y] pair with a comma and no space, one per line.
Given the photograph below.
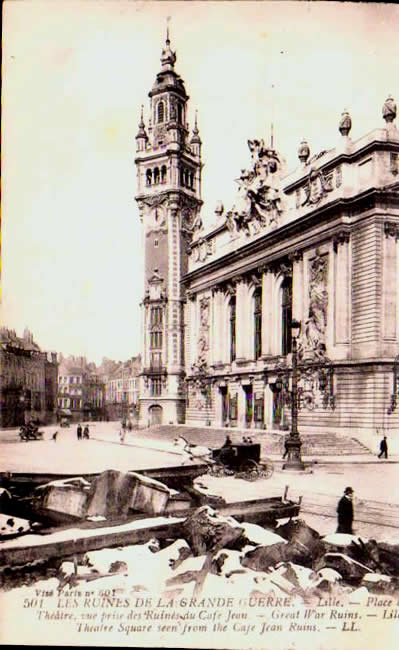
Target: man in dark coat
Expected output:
[383,448]
[79,432]
[345,512]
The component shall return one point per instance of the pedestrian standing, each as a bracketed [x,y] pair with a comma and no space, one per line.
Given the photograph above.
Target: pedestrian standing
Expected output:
[383,448]
[86,434]
[79,432]
[345,512]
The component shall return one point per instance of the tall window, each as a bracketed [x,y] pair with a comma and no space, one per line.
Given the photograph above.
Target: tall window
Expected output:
[286,316]
[156,386]
[156,337]
[161,111]
[258,323]
[156,316]
[232,328]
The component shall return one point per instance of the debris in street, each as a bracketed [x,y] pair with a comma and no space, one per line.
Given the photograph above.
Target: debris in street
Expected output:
[13,526]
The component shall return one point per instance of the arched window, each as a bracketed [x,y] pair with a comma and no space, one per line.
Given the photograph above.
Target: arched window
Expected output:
[149,176]
[257,322]
[286,316]
[160,112]
[192,180]
[232,328]
[156,176]
[180,113]
[163,174]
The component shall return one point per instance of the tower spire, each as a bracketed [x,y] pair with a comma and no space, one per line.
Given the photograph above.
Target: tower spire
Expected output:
[168,58]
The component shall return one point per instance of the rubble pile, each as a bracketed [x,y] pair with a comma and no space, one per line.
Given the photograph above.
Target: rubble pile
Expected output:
[219,555]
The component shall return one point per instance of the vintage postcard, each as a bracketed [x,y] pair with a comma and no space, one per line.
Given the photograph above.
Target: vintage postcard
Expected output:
[199,341]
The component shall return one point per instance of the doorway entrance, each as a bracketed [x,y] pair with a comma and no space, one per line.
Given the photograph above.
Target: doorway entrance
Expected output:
[155,415]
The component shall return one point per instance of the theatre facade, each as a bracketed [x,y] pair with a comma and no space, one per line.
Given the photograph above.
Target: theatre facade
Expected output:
[318,245]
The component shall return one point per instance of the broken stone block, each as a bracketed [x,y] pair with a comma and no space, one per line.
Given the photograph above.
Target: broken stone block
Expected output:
[205,530]
[378,583]
[177,502]
[149,495]
[259,536]
[326,578]
[13,526]
[68,496]
[347,567]
[111,494]
[301,577]
[296,530]
[263,557]
[389,557]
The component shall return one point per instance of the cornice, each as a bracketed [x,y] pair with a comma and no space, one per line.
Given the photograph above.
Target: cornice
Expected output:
[341,206]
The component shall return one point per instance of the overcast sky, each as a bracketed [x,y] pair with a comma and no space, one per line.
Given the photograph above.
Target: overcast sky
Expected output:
[76,74]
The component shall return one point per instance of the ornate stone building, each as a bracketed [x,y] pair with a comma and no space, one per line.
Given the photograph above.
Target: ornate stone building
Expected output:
[318,245]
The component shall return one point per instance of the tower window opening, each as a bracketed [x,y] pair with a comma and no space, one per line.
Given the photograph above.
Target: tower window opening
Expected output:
[149,177]
[160,112]
[156,386]
[156,176]
[192,180]
[180,113]
[163,174]
[156,316]
[186,178]
[156,243]
[181,176]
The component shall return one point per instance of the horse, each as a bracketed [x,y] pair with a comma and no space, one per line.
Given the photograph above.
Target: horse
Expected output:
[194,452]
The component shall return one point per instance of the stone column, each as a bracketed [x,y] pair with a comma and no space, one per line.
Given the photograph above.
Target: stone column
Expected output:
[240,318]
[341,289]
[298,307]
[241,424]
[267,311]
[214,334]
[389,282]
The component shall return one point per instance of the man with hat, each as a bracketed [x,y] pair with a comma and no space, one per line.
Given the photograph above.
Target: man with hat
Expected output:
[345,512]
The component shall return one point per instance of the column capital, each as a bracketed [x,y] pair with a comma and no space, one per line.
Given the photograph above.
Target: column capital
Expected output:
[295,256]
[342,237]
[391,229]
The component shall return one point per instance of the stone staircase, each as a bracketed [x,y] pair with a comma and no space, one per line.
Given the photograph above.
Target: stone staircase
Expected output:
[320,444]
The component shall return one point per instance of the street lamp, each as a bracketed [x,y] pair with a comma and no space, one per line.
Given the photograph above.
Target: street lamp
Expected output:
[294,442]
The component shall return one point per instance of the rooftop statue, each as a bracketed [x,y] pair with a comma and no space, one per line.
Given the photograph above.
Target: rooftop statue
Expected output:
[258,203]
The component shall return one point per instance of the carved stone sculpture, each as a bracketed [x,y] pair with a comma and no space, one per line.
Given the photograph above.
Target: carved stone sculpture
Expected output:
[313,341]
[258,203]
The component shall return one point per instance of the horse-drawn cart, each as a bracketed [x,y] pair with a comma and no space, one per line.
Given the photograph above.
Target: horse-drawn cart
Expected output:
[241,460]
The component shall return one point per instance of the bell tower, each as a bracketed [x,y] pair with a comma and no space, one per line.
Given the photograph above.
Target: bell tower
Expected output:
[169,168]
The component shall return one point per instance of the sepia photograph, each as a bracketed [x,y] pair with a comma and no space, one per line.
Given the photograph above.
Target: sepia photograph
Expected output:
[199,334]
